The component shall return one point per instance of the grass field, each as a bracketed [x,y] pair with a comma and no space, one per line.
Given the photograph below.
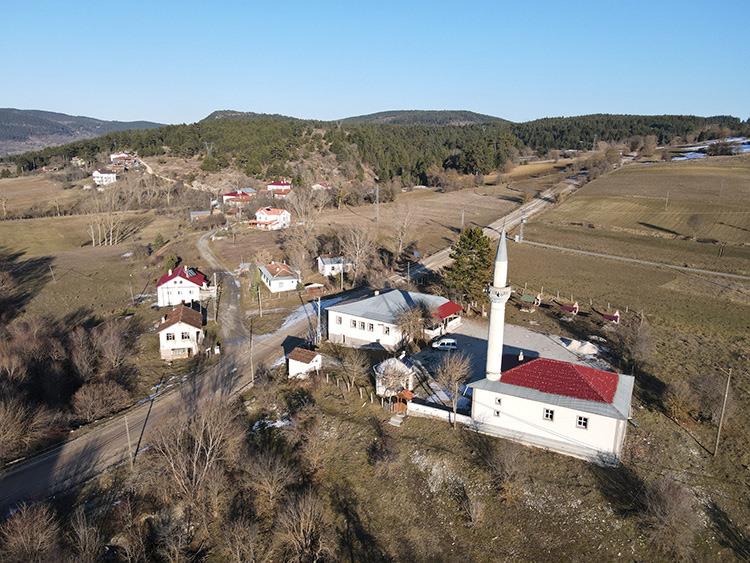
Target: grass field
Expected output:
[677,212]
[36,190]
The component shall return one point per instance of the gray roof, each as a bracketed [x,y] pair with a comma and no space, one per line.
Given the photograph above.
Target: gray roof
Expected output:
[618,408]
[387,306]
[269,275]
[333,260]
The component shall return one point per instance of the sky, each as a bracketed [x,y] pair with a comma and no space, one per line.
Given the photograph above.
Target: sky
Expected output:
[176,62]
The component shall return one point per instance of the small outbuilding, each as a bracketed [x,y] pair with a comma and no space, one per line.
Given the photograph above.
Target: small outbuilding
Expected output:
[301,362]
[393,376]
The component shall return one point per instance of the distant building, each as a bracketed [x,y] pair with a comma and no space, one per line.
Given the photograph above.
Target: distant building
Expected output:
[199,216]
[373,321]
[237,198]
[78,161]
[104,177]
[321,187]
[281,194]
[180,333]
[333,265]
[181,285]
[281,185]
[302,362]
[279,277]
[272,219]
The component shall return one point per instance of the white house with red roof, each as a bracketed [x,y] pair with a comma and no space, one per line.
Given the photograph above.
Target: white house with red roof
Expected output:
[238,198]
[279,277]
[561,406]
[372,322]
[181,285]
[272,219]
[279,185]
[180,333]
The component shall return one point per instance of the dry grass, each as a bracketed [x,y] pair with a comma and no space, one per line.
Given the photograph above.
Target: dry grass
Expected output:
[627,213]
[37,189]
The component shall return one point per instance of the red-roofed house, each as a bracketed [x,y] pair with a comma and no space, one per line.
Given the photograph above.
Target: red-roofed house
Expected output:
[237,198]
[279,277]
[181,285]
[272,219]
[279,185]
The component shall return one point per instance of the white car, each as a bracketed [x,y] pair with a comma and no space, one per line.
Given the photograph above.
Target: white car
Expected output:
[445,344]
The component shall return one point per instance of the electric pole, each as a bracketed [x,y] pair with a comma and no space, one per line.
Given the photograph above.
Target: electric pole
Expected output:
[463,210]
[723,409]
[260,302]
[252,361]
[377,205]
[130,446]
[318,331]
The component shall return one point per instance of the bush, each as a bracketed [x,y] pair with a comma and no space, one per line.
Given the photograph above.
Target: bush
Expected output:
[95,400]
[171,261]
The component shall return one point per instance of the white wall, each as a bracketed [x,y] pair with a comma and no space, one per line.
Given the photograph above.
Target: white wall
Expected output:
[166,346]
[175,291]
[299,369]
[428,411]
[344,333]
[603,434]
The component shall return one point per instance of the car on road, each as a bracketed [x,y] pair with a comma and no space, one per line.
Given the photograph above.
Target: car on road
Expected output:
[448,344]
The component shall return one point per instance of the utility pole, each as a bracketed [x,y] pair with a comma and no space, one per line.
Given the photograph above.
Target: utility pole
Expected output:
[318,336]
[408,271]
[53,273]
[252,360]
[463,210]
[666,201]
[260,302]
[723,410]
[130,283]
[130,446]
[520,234]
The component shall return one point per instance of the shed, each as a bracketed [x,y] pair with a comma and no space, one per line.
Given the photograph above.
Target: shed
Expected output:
[301,362]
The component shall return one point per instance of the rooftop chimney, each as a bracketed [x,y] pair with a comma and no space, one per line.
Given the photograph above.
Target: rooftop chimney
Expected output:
[376,292]
[170,272]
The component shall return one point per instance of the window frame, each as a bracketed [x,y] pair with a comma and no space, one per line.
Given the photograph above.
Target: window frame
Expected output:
[548,415]
[582,422]
[171,336]
[499,401]
[339,320]
[185,336]
[496,413]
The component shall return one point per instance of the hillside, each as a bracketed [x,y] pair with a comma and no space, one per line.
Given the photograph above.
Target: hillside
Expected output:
[23,130]
[423,117]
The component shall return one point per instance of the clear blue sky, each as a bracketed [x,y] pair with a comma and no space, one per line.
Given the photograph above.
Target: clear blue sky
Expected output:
[178,61]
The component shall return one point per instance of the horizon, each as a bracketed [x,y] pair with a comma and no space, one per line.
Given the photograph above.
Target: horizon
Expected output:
[327,62]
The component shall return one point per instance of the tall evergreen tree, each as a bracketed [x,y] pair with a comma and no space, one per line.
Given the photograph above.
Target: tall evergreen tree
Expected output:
[471,270]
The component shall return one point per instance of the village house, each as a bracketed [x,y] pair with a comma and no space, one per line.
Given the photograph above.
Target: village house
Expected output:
[180,333]
[394,375]
[317,187]
[238,197]
[182,285]
[373,321]
[272,219]
[280,185]
[333,265]
[569,408]
[279,277]
[301,362]
[78,161]
[123,159]
[104,177]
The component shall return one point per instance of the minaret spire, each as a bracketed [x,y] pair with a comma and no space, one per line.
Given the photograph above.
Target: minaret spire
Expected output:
[499,294]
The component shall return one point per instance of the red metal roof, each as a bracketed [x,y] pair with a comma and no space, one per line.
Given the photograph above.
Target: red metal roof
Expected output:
[190,274]
[447,309]
[280,183]
[563,378]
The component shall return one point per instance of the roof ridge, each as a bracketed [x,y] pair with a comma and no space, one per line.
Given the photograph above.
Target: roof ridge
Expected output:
[585,377]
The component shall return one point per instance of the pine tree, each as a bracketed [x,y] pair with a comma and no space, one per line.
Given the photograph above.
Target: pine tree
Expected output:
[471,270]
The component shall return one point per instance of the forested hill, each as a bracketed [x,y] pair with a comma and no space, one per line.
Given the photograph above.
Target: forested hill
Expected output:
[22,130]
[271,145]
[423,117]
[583,131]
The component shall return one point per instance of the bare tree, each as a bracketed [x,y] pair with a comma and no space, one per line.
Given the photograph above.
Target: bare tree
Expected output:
[402,229]
[270,477]
[193,449]
[85,538]
[412,321]
[649,145]
[21,426]
[357,367]
[32,533]
[453,370]
[672,519]
[358,245]
[112,344]
[95,400]
[240,542]
[302,529]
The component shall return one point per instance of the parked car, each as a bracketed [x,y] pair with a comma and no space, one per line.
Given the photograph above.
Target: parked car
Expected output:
[449,344]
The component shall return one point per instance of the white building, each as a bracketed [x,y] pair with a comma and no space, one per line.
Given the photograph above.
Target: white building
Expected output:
[181,285]
[104,177]
[393,375]
[180,333]
[334,265]
[302,362]
[278,277]
[279,186]
[272,219]
[568,408]
[373,321]
[238,198]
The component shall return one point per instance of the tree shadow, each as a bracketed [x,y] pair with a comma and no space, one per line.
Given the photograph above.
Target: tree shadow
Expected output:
[355,540]
[21,279]
[621,486]
[729,534]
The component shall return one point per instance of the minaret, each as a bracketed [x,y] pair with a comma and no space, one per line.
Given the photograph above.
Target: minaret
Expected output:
[499,294]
